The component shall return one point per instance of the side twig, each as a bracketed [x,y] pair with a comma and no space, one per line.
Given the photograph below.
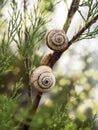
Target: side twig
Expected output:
[71,12]
[74,38]
[27,60]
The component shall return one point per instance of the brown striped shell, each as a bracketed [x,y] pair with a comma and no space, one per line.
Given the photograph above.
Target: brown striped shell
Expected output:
[57,40]
[43,79]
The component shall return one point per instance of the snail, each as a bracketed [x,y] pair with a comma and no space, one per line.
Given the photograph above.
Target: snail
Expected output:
[43,79]
[46,59]
[57,40]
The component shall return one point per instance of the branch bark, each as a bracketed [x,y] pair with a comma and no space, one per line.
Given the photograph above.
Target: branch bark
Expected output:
[71,12]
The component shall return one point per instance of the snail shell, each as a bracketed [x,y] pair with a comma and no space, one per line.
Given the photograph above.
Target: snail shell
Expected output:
[43,79]
[46,59]
[57,40]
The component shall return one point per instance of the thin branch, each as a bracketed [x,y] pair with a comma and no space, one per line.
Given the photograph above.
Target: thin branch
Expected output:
[74,38]
[27,61]
[28,77]
[25,28]
[71,12]
[32,111]
[36,102]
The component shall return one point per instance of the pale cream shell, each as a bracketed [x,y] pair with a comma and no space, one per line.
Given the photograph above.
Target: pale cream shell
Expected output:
[39,76]
[57,40]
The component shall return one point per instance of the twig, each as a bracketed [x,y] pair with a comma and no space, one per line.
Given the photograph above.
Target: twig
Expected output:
[27,61]
[32,111]
[74,38]
[71,12]
[28,77]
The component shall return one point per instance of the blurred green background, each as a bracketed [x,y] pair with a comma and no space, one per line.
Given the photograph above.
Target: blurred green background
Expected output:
[73,102]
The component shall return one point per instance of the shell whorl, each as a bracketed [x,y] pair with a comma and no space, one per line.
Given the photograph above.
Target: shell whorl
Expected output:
[57,40]
[43,79]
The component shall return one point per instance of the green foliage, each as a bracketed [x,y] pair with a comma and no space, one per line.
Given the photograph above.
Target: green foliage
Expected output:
[28,42]
[92,11]
[57,117]
[61,121]
[16,88]
[15,27]
[49,5]
[57,120]
[5,57]
[28,35]
[36,31]
[92,7]
[8,109]
[2,3]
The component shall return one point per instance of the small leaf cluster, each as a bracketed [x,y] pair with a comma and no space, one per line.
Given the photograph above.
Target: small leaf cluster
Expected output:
[92,11]
[5,57]
[5,54]
[27,29]
[60,120]
[8,109]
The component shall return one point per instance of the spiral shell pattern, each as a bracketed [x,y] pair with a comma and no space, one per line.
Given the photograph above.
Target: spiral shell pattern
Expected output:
[57,40]
[43,79]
